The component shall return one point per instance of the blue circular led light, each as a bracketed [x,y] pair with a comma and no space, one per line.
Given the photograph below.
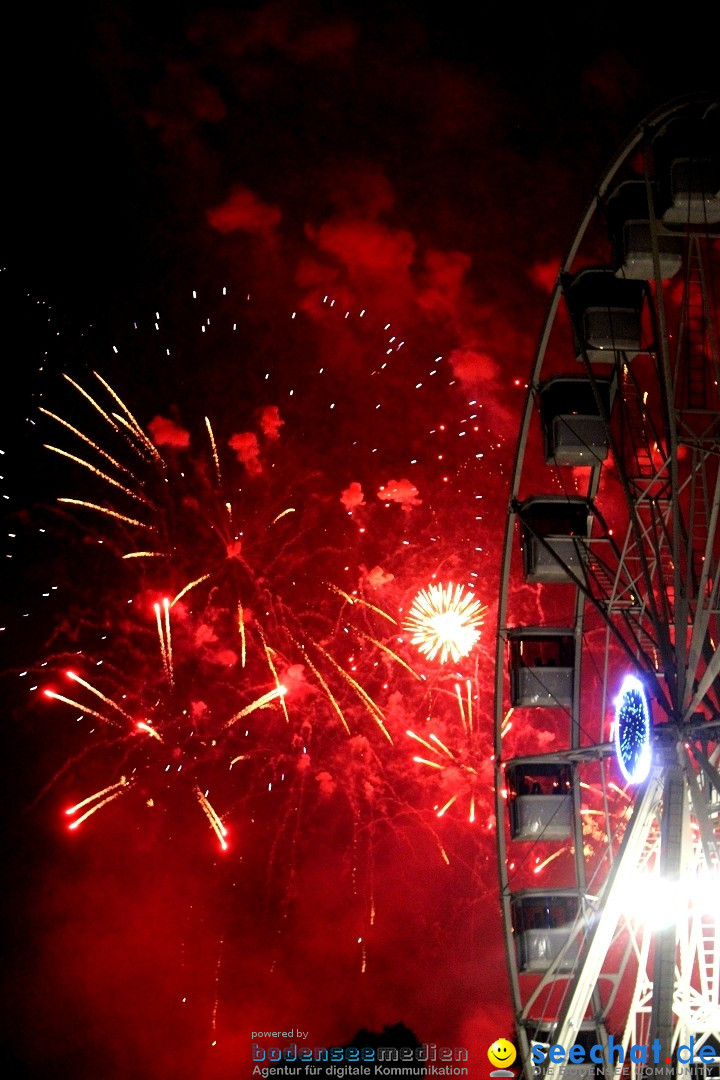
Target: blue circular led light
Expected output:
[632,730]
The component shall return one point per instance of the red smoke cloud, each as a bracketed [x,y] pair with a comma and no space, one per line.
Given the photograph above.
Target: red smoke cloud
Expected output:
[166,432]
[376,577]
[243,211]
[271,422]
[352,497]
[402,492]
[247,448]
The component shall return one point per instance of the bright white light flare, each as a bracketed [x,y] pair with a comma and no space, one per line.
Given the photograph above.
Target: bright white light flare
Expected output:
[444,621]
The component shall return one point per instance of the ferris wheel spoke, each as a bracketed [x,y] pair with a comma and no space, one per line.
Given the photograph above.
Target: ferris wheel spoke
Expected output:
[613,900]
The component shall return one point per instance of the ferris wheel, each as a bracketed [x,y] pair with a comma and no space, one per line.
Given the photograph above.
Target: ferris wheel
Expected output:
[607,694]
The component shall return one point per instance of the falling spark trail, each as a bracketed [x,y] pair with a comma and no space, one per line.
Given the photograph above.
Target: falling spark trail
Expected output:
[139,437]
[168,640]
[83,708]
[365,603]
[420,740]
[443,747]
[216,1000]
[290,510]
[107,510]
[186,588]
[138,429]
[142,725]
[110,793]
[461,707]
[98,693]
[94,403]
[98,472]
[163,643]
[546,862]
[273,669]
[95,446]
[448,804]
[212,816]
[241,628]
[213,445]
[389,652]
[328,692]
[372,707]
[259,703]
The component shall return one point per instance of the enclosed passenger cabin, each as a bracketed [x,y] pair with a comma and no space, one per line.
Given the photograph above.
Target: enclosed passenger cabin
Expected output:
[540,801]
[686,152]
[542,663]
[546,929]
[573,420]
[554,530]
[629,226]
[606,313]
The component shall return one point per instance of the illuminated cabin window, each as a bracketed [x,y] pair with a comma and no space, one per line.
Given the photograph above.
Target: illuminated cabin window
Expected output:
[553,534]
[574,430]
[628,218]
[540,800]
[545,929]
[686,152]
[606,314]
[541,662]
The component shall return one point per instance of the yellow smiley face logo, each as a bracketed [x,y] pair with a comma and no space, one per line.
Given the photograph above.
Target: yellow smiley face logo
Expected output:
[501,1053]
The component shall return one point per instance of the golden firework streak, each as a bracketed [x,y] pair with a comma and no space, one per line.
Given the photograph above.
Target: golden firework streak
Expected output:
[105,796]
[85,439]
[136,426]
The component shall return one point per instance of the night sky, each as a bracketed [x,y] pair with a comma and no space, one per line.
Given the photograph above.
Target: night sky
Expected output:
[332,229]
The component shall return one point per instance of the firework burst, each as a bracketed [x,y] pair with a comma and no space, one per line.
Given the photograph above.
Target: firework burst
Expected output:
[255,650]
[173,728]
[445,622]
[259,561]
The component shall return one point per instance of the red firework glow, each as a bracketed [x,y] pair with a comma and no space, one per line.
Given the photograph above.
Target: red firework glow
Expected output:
[242,622]
[240,675]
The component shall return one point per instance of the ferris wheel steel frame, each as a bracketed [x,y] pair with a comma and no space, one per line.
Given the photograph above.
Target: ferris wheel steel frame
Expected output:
[646,601]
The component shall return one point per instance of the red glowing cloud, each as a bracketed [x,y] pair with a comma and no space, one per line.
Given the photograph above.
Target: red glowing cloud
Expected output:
[366,247]
[400,491]
[445,274]
[376,577]
[270,422]
[473,366]
[352,496]
[166,432]
[243,211]
[182,102]
[246,446]
[544,274]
